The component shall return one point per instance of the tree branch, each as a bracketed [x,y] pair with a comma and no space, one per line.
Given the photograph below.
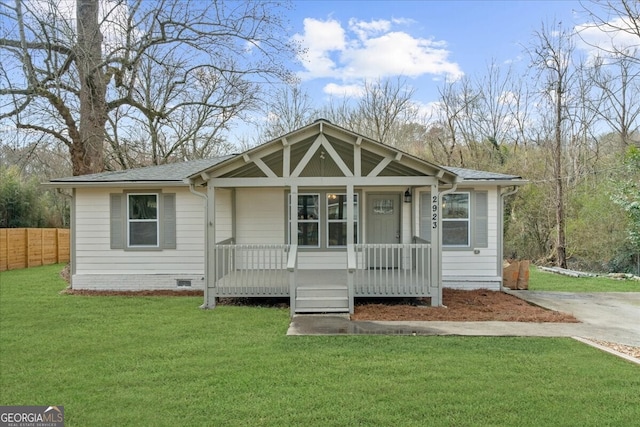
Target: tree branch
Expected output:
[59,136]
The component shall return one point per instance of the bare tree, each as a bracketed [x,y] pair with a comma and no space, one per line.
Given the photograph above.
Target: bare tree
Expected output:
[618,84]
[291,107]
[581,122]
[179,121]
[451,114]
[496,106]
[67,78]
[484,115]
[552,56]
[620,20]
[385,105]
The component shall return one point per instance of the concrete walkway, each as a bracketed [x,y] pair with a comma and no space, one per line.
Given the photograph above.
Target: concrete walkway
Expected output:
[609,316]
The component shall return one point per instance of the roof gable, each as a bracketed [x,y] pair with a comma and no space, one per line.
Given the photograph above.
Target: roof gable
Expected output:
[325,150]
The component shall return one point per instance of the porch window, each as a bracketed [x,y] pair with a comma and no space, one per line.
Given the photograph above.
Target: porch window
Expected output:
[337,219]
[308,220]
[455,219]
[322,219]
[142,220]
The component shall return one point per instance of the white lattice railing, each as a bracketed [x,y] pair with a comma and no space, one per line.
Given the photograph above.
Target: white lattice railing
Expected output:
[372,270]
[252,269]
[392,269]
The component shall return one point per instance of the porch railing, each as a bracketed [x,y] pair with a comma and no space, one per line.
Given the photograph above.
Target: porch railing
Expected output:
[392,269]
[252,269]
[372,270]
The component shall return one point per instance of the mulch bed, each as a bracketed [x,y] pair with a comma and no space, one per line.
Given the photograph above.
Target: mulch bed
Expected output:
[463,305]
[460,305]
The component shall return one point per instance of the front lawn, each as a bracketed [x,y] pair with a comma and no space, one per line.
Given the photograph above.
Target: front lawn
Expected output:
[545,281]
[160,361]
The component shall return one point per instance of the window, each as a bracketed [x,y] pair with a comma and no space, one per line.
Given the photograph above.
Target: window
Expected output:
[142,220]
[464,219]
[455,219]
[337,219]
[323,211]
[308,220]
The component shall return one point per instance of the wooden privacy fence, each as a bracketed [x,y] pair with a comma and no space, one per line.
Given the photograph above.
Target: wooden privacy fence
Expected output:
[31,247]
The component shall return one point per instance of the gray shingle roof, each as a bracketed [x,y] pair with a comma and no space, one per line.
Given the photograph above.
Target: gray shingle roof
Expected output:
[470,174]
[173,172]
[177,172]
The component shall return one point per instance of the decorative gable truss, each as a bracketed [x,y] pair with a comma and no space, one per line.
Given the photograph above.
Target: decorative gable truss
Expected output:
[323,154]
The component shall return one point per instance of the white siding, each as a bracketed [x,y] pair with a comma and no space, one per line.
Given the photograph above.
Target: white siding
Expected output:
[260,215]
[472,282]
[461,268]
[136,282]
[224,214]
[99,265]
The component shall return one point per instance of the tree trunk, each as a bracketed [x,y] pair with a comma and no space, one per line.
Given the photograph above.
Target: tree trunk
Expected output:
[560,242]
[87,153]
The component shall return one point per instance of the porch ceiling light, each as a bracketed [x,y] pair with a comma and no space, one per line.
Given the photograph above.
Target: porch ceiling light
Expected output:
[407,196]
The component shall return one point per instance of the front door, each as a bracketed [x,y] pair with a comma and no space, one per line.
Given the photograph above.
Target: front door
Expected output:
[383,225]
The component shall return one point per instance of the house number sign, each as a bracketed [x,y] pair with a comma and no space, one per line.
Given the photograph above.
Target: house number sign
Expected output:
[434,211]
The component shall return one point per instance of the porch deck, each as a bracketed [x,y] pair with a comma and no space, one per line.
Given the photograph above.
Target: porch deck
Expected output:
[275,283]
[373,270]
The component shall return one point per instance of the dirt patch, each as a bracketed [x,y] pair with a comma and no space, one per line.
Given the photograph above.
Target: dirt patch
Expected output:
[462,306]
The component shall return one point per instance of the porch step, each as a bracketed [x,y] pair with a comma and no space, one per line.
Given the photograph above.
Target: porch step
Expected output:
[322,299]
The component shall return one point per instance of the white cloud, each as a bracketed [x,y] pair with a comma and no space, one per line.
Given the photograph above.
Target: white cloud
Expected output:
[596,39]
[367,29]
[427,112]
[369,50]
[398,53]
[349,91]
[507,98]
[321,40]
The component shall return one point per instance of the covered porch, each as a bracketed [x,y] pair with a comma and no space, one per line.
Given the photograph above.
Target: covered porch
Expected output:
[323,216]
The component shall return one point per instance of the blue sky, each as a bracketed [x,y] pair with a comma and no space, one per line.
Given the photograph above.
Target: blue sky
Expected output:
[425,41]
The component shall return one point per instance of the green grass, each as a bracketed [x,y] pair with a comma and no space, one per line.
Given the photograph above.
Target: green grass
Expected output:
[545,281]
[160,361]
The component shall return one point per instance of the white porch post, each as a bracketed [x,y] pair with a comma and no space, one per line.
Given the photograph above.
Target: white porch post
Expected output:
[350,242]
[293,240]
[209,290]
[436,247]
[350,214]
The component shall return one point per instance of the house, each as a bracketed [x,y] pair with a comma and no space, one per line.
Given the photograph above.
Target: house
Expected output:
[321,215]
